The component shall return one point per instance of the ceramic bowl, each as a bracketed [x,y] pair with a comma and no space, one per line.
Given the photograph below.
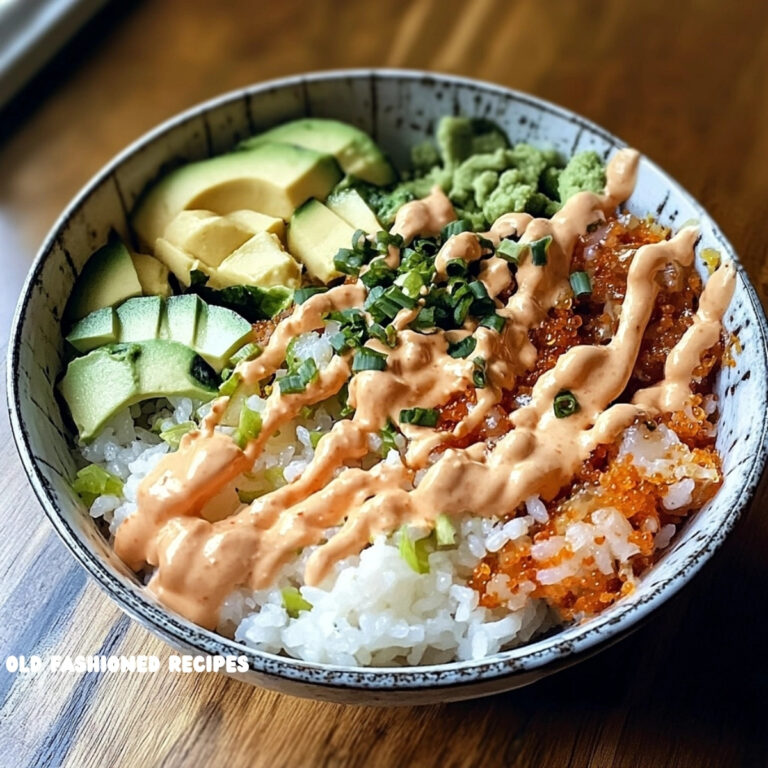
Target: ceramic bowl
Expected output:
[398,108]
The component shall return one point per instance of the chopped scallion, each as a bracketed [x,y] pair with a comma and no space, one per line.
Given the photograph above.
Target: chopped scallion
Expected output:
[420,417]
[455,228]
[367,359]
[581,284]
[247,352]
[565,404]
[478,377]
[415,553]
[445,533]
[511,251]
[173,435]
[300,295]
[93,481]
[463,348]
[495,322]
[293,602]
[539,249]
[248,427]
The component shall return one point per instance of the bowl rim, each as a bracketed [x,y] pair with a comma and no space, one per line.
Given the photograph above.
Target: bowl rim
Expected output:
[575,641]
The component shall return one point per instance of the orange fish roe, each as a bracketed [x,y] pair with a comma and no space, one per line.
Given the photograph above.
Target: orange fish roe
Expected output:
[609,480]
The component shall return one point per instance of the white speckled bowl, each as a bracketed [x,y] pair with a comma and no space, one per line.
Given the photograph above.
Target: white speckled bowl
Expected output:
[398,108]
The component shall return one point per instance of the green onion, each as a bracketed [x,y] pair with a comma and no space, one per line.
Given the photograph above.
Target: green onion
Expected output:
[300,295]
[412,283]
[173,434]
[415,553]
[455,228]
[293,602]
[479,377]
[425,319]
[388,435]
[378,273]
[247,352]
[249,426]
[338,341]
[581,284]
[367,359]
[495,322]
[511,251]
[386,335]
[93,481]
[348,261]
[383,240]
[565,404]
[421,417]
[539,250]
[384,305]
[297,382]
[461,310]
[462,348]
[314,437]
[445,533]
[457,268]
[228,386]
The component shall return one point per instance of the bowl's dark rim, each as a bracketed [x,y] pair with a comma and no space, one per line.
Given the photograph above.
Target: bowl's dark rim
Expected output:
[572,642]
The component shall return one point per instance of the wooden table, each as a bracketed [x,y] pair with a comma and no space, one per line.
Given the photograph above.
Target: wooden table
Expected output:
[685,83]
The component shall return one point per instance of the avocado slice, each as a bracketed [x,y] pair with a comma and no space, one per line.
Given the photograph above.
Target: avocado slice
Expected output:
[94,330]
[260,260]
[152,274]
[271,178]
[315,234]
[108,379]
[139,319]
[349,204]
[212,332]
[108,278]
[179,262]
[356,152]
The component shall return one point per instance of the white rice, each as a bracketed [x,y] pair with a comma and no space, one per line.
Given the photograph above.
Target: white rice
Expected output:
[375,610]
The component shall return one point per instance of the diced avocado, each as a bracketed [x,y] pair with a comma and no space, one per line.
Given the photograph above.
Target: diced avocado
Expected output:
[315,235]
[94,330]
[205,236]
[178,261]
[108,379]
[152,274]
[140,318]
[108,278]
[349,204]
[271,178]
[261,260]
[253,222]
[220,332]
[182,314]
[356,152]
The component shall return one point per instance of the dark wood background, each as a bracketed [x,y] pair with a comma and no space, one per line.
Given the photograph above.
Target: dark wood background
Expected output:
[684,82]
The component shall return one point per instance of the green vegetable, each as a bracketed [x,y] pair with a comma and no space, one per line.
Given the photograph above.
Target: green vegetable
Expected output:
[249,426]
[581,284]
[565,404]
[384,304]
[297,382]
[300,295]
[246,352]
[455,228]
[249,301]
[293,602]
[539,250]
[445,533]
[424,320]
[314,437]
[367,359]
[93,481]
[478,377]
[511,251]
[378,273]
[388,435]
[229,385]
[386,335]
[173,434]
[415,553]
[421,417]
[495,322]
[462,348]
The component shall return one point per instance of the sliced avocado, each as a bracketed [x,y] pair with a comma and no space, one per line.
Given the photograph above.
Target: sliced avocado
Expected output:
[356,152]
[261,260]
[108,379]
[254,222]
[152,274]
[349,204]
[205,235]
[108,278]
[140,318]
[315,235]
[220,331]
[271,178]
[95,330]
[182,314]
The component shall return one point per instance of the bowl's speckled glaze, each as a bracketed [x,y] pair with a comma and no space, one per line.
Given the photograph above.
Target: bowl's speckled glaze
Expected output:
[398,108]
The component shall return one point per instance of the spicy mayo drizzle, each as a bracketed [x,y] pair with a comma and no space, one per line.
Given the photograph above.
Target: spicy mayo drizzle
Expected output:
[199,562]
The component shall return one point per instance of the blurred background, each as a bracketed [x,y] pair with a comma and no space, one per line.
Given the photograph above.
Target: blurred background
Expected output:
[684,82]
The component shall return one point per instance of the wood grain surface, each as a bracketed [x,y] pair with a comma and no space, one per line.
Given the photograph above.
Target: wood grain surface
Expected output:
[684,82]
